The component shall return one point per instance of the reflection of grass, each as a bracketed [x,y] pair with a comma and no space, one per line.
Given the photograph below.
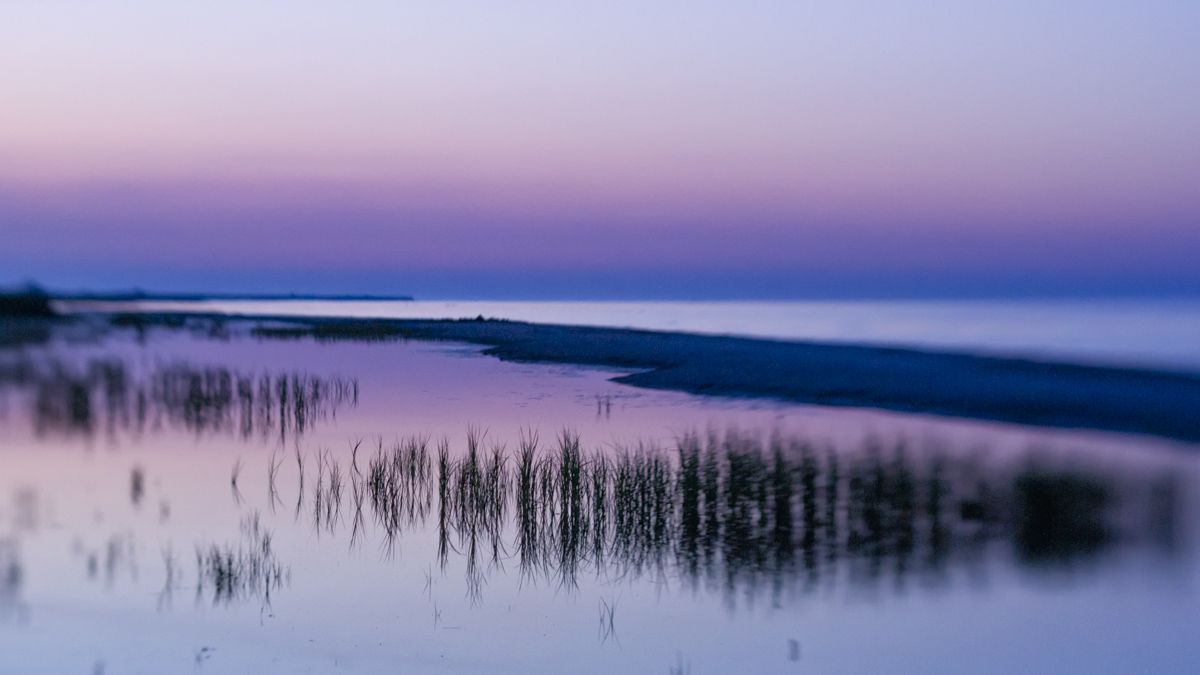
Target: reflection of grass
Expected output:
[273,465]
[608,621]
[327,492]
[732,512]
[643,509]
[398,483]
[233,481]
[248,570]
[680,667]
[300,479]
[1060,515]
[572,515]
[105,394]
[529,535]
[12,574]
[479,487]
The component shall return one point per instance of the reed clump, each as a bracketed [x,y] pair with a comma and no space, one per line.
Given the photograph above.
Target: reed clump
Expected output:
[398,484]
[110,395]
[730,512]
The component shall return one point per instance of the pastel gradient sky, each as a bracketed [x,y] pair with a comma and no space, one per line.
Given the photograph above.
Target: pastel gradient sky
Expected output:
[536,149]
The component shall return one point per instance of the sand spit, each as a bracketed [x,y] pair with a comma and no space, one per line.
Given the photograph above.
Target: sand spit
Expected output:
[959,385]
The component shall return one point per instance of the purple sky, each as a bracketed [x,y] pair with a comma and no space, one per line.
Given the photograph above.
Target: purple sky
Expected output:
[611,149]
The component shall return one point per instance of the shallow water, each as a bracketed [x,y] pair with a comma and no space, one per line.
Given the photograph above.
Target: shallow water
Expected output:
[1162,333]
[168,504]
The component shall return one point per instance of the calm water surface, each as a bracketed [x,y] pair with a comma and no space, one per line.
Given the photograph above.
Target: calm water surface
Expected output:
[199,500]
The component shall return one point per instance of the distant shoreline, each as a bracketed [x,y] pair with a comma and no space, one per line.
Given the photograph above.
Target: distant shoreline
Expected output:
[137,296]
[1022,391]
[1155,336]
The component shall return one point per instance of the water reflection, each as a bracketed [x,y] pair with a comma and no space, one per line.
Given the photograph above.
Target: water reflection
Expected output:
[12,607]
[106,394]
[730,514]
[652,543]
[235,573]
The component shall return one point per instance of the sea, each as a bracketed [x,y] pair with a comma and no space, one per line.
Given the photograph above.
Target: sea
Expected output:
[203,497]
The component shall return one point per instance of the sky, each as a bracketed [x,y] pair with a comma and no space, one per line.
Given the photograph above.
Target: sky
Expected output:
[530,149]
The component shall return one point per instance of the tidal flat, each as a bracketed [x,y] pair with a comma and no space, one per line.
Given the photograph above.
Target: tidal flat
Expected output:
[190,494]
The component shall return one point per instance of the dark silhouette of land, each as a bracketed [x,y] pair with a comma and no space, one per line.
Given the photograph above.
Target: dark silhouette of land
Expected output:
[137,295]
[29,302]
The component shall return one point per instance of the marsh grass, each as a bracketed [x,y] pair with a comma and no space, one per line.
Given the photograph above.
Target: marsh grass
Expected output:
[300,480]
[608,620]
[327,493]
[572,512]
[398,484]
[172,574]
[233,481]
[273,464]
[643,489]
[479,483]
[734,514]
[358,493]
[528,507]
[106,395]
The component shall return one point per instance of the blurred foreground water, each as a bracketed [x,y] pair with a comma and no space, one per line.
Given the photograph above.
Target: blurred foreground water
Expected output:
[196,499]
